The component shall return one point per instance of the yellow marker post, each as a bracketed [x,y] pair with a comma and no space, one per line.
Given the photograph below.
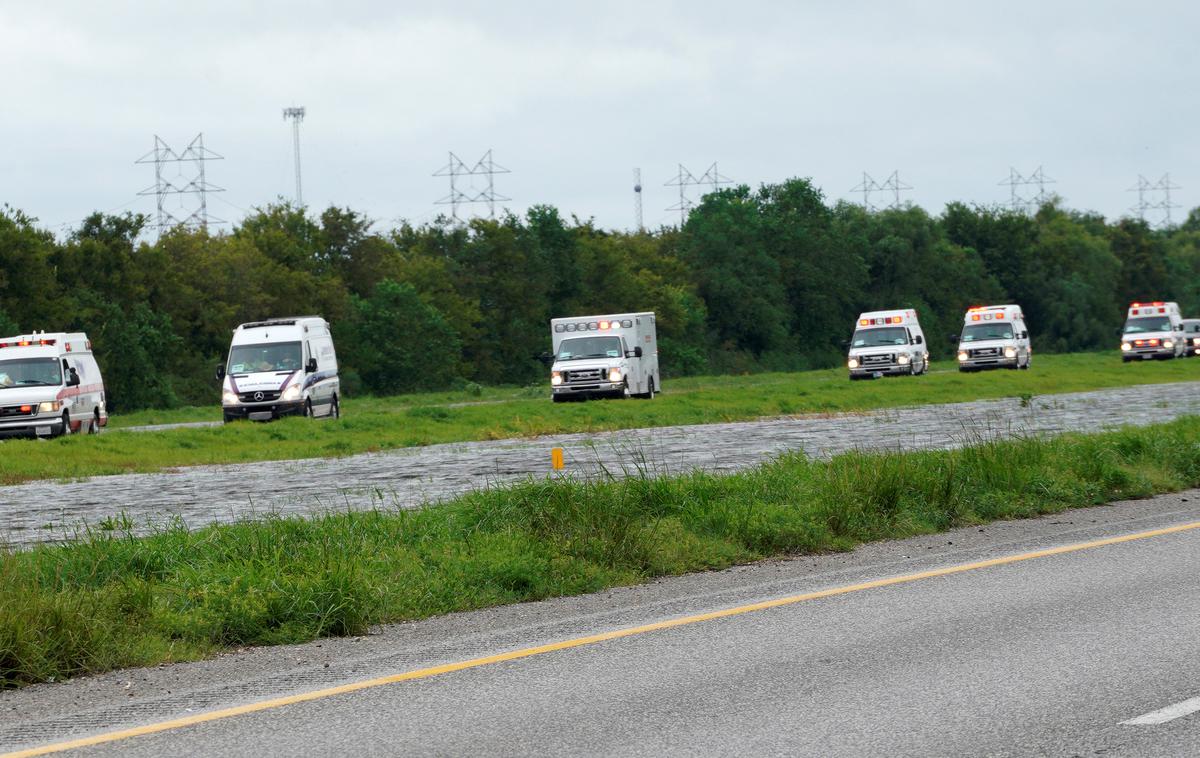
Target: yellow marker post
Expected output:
[556,458]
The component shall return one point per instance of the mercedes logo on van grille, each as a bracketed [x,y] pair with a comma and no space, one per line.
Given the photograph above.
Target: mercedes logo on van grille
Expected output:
[258,396]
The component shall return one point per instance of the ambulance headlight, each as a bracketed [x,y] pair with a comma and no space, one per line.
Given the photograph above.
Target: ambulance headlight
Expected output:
[1126,347]
[1168,343]
[962,355]
[555,378]
[1010,352]
[291,393]
[614,375]
[50,406]
[1196,341]
[852,363]
[903,360]
[228,398]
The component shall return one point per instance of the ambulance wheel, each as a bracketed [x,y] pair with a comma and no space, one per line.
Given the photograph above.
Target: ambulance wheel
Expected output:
[1028,360]
[335,410]
[94,425]
[559,398]
[308,408]
[67,430]
[649,393]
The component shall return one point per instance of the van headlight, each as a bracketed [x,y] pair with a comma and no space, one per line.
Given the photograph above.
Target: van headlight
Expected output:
[555,378]
[903,360]
[614,375]
[1168,343]
[1010,352]
[1196,341]
[228,398]
[291,393]
[852,363]
[50,406]
[1126,347]
[962,355]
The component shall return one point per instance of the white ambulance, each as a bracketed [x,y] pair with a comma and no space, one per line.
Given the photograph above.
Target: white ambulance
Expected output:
[887,343]
[1191,336]
[280,367]
[994,336]
[604,356]
[50,385]
[1152,330]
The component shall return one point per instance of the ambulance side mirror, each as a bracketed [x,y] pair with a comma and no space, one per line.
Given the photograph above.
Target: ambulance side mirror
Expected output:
[220,372]
[311,366]
[846,343]
[73,378]
[636,352]
[1024,335]
[547,359]
[918,340]
[953,339]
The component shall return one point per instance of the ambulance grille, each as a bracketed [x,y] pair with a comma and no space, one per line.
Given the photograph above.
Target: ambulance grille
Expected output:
[583,375]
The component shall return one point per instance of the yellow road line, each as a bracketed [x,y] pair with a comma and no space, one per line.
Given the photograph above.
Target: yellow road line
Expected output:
[592,639]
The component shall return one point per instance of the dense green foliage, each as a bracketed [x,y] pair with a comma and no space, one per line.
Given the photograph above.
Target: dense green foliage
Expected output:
[755,280]
[110,598]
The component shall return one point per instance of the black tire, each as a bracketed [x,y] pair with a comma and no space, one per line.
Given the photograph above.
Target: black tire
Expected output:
[229,419]
[94,428]
[67,430]
[308,413]
[335,408]
[559,398]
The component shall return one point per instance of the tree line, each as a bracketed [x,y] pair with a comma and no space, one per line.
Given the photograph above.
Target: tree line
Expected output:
[766,279]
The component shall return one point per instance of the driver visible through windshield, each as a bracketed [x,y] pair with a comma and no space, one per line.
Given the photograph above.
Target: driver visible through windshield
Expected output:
[980,332]
[30,372]
[888,335]
[1143,325]
[276,356]
[589,347]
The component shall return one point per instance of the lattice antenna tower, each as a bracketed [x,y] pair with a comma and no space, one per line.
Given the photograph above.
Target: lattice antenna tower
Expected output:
[866,187]
[637,200]
[163,157]
[296,115]
[461,194]
[685,179]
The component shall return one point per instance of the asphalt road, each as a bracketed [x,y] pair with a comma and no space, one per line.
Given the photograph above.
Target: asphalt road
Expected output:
[1024,654]
[412,477]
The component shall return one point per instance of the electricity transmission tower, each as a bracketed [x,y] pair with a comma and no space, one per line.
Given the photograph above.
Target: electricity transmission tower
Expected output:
[685,179]
[296,114]
[637,199]
[461,194]
[1018,200]
[1146,189]
[191,183]
[892,184]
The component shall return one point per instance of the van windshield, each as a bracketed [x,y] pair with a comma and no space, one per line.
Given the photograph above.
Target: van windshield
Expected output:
[589,347]
[30,372]
[276,356]
[1152,324]
[887,335]
[992,331]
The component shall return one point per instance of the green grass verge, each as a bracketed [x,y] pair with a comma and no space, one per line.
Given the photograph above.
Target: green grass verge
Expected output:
[373,424]
[110,599]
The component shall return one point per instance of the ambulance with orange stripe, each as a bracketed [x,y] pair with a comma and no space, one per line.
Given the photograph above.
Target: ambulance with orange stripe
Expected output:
[1153,330]
[50,385]
[887,343]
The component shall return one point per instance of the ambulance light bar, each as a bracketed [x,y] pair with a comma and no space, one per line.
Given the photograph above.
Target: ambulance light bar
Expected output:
[594,326]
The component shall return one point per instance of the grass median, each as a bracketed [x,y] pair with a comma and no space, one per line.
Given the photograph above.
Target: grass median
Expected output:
[111,599]
[375,424]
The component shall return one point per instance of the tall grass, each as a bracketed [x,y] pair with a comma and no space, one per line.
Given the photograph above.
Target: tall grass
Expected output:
[110,599]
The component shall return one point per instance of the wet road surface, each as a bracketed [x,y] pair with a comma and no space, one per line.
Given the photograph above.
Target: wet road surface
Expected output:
[411,477]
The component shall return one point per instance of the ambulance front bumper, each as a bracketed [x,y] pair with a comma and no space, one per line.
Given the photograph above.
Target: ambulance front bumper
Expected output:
[263,411]
[47,425]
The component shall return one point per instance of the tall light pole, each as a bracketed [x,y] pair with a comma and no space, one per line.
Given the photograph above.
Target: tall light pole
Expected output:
[296,114]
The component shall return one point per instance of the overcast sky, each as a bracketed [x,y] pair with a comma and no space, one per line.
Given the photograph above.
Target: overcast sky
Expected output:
[572,96]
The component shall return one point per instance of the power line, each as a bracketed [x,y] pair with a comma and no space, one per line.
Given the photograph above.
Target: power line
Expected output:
[685,179]
[296,114]
[892,184]
[162,156]
[1147,190]
[1017,199]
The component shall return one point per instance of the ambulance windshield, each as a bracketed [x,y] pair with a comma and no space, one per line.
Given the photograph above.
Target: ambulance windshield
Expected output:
[992,331]
[30,372]
[1152,324]
[885,335]
[278,356]
[589,347]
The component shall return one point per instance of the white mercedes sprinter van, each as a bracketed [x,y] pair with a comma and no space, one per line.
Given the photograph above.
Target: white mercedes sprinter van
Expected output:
[604,356]
[1152,330]
[887,343]
[280,367]
[993,336]
[50,385]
